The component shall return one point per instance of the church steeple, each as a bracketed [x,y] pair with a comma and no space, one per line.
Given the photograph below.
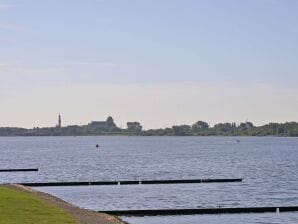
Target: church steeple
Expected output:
[59,121]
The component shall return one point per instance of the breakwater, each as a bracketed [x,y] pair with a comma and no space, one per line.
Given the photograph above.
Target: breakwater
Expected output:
[167,212]
[133,182]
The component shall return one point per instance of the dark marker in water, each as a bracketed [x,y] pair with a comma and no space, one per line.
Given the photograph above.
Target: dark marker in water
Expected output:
[97,146]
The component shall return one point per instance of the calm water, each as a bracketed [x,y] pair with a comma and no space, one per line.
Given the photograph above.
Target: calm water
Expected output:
[268,165]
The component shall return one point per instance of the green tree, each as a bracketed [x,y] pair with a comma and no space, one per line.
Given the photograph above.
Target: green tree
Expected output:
[134,127]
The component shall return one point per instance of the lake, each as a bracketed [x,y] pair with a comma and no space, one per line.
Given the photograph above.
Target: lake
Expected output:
[268,166]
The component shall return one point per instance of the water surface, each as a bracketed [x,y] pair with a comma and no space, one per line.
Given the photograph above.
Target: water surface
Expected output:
[267,165]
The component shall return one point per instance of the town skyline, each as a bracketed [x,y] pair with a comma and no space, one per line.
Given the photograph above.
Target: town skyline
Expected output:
[59,123]
[135,128]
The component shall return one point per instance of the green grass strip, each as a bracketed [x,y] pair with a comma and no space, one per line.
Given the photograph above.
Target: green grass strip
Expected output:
[17,207]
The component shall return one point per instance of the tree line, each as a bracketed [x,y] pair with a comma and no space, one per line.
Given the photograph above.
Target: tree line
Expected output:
[200,128]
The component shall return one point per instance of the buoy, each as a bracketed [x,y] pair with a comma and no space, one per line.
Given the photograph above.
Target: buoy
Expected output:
[97,146]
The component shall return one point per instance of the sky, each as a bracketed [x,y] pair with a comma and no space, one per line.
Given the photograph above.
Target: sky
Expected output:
[159,62]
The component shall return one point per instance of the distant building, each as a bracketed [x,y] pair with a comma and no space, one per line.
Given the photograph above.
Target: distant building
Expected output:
[249,125]
[107,125]
[59,122]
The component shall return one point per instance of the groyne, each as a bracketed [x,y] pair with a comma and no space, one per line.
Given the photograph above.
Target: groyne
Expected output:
[167,212]
[127,182]
[19,170]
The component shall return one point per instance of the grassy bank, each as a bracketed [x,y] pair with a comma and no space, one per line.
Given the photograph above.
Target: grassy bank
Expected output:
[17,207]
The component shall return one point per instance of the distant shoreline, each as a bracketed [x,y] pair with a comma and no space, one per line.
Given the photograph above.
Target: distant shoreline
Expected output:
[191,136]
[200,128]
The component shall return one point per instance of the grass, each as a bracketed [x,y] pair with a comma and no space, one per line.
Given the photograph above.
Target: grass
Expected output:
[18,207]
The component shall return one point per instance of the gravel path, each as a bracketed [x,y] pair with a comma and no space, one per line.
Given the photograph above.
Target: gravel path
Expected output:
[85,216]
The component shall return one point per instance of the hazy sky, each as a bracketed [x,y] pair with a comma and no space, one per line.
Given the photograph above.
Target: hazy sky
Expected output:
[160,62]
